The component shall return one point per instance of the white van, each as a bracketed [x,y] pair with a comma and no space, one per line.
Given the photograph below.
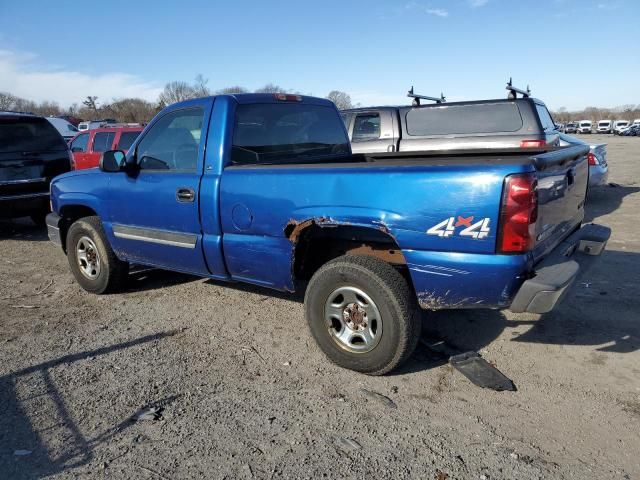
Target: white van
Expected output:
[605,126]
[91,124]
[620,126]
[585,126]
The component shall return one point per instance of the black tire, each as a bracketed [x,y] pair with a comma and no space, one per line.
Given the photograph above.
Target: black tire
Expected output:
[112,274]
[393,298]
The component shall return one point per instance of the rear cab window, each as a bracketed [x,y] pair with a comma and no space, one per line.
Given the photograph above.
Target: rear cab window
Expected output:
[285,132]
[479,118]
[28,134]
[545,118]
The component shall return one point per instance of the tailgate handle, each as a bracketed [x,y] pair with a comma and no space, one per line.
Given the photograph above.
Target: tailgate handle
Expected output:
[571,176]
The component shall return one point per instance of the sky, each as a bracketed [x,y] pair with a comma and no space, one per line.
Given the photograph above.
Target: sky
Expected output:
[571,52]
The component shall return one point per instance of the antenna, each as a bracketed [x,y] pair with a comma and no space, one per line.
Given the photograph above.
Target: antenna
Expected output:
[417,98]
[513,91]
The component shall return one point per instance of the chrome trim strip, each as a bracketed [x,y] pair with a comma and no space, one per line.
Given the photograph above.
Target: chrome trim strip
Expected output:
[24,196]
[162,237]
[23,180]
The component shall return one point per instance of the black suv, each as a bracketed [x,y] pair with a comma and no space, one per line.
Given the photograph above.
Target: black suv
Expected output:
[32,152]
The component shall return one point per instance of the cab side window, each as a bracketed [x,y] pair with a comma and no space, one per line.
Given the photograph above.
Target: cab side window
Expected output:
[172,143]
[366,127]
[103,141]
[80,143]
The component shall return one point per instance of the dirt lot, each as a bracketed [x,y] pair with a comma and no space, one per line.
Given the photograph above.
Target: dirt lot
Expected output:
[243,392]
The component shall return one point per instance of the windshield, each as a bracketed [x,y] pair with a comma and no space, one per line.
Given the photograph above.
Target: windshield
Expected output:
[28,134]
[269,133]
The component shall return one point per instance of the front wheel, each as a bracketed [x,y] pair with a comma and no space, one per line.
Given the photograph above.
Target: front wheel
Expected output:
[362,314]
[92,260]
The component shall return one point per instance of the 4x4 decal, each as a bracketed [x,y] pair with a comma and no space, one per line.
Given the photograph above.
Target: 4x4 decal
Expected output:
[447,228]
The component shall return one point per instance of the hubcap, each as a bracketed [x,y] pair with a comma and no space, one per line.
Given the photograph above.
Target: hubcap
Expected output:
[353,319]
[88,258]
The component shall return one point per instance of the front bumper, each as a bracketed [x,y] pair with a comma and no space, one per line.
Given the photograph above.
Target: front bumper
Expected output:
[555,275]
[53,228]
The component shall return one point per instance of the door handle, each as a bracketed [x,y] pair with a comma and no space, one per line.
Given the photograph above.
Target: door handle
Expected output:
[185,195]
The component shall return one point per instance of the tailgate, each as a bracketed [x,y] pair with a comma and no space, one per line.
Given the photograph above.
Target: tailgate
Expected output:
[563,176]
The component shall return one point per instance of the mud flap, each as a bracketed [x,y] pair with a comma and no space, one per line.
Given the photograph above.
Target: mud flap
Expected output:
[480,372]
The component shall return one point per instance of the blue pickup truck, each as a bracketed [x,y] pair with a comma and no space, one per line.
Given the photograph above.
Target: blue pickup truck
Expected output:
[264,189]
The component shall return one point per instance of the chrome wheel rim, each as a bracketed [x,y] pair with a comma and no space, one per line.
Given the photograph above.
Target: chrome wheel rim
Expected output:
[88,258]
[353,319]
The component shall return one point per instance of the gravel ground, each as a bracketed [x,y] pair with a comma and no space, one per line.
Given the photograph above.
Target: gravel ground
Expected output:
[188,378]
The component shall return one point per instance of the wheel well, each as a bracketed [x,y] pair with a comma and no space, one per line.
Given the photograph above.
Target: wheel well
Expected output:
[69,214]
[316,245]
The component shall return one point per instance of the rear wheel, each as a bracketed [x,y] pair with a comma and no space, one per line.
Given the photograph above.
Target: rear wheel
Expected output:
[362,314]
[92,260]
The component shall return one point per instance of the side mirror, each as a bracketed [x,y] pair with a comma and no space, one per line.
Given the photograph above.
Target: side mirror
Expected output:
[112,161]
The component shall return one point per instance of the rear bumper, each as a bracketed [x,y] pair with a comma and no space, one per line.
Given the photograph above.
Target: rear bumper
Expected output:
[22,205]
[53,228]
[555,275]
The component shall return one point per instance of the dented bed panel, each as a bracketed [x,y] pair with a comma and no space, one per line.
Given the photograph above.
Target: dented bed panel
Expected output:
[445,280]
[436,208]
[406,200]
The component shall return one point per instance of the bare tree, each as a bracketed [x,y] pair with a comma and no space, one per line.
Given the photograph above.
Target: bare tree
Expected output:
[47,109]
[130,110]
[234,89]
[341,99]
[7,101]
[271,88]
[175,91]
[200,88]
[90,103]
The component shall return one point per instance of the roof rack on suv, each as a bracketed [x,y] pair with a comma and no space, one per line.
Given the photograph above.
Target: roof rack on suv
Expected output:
[513,91]
[16,111]
[417,98]
[122,125]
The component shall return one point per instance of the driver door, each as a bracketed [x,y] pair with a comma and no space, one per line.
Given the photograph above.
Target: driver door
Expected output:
[154,209]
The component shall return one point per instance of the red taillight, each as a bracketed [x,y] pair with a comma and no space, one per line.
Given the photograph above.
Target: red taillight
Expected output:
[518,214]
[592,159]
[285,97]
[533,143]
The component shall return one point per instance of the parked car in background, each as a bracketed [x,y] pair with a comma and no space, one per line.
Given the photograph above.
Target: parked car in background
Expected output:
[560,127]
[202,191]
[597,159]
[66,129]
[571,127]
[632,131]
[585,127]
[500,123]
[75,121]
[620,126]
[32,152]
[636,122]
[88,146]
[605,126]
[91,124]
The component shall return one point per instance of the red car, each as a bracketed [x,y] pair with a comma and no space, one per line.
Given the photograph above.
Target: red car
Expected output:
[87,147]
